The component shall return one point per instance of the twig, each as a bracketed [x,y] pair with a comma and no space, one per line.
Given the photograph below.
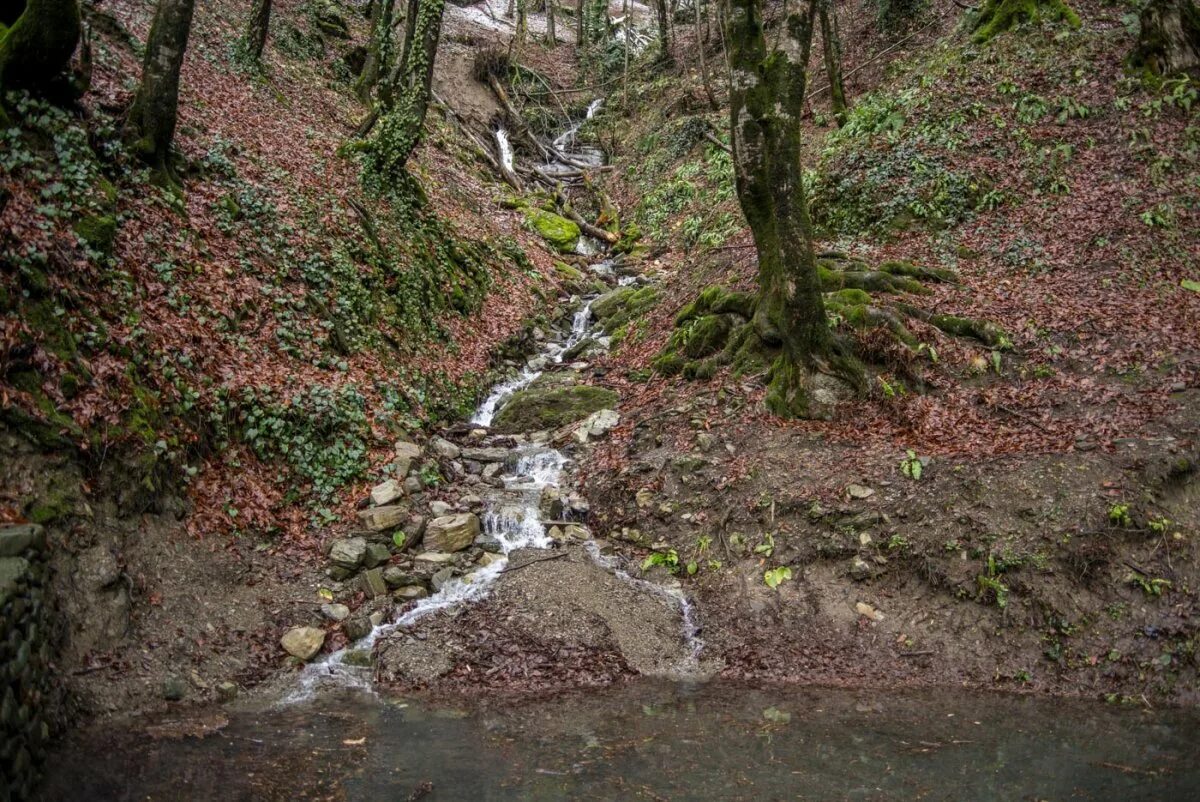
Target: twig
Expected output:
[511,568]
[918,653]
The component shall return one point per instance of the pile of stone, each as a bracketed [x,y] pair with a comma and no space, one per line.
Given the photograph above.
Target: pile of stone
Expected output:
[24,660]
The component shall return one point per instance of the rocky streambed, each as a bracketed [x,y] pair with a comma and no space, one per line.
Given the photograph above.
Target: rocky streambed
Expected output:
[474,562]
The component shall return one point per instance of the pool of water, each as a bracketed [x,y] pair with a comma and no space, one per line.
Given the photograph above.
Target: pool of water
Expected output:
[645,740]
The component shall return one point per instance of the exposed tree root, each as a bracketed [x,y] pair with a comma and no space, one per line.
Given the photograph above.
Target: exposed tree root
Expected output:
[717,330]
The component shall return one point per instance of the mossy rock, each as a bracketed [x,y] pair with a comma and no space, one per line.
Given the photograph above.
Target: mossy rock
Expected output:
[98,231]
[556,230]
[618,307]
[537,408]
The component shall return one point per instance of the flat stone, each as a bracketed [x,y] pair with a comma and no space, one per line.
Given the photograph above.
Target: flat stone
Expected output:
[372,582]
[452,532]
[444,448]
[598,424]
[412,486]
[439,508]
[335,612]
[440,578]
[395,576]
[386,492]
[348,552]
[434,557]
[12,571]
[15,539]
[410,593]
[489,558]
[303,642]
[379,519]
[859,491]
[487,455]
[406,454]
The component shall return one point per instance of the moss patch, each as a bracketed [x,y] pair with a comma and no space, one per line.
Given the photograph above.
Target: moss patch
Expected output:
[558,231]
[536,409]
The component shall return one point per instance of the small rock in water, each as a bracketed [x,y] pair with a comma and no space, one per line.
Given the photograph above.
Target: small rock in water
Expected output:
[386,492]
[859,491]
[335,612]
[867,611]
[440,579]
[303,642]
[376,618]
[489,558]
[444,448]
[357,628]
[410,593]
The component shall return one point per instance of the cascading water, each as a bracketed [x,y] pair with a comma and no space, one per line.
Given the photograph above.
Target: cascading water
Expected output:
[505,148]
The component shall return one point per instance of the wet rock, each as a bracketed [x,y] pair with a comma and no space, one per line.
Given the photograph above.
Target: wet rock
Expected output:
[380,519]
[451,533]
[444,448]
[489,543]
[357,628]
[471,502]
[335,612]
[359,658]
[303,643]
[377,554]
[409,593]
[489,558]
[439,579]
[372,582]
[348,552]
[386,492]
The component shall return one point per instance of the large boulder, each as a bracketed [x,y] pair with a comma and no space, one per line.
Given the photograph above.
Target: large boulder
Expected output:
[540,408]
[559,232]
[451,533]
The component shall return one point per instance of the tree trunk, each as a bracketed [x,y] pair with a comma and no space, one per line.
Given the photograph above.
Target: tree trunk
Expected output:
[401,124]
[664,34]
[767,87]
[378,49]
[580,37]
[35,52]
[832,47]
[152,116]
[551,33]
[705,80]
[256,32]
[1169,41]
[522,24]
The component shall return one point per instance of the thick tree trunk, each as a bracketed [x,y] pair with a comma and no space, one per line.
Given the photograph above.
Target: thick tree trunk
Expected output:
[151,122]
[378,49]
[767,87]
[35,52]
[1169,41]
[256,31]
[832,48]
[401,124]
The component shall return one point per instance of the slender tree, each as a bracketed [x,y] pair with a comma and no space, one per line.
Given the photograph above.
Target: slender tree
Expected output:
[705,80]
[664,33]
[36,47]
[152,117]
[767,87]
[256,29]
[551,33]
[831,45]
[406,99]
[378,49]
[1169,41]
[580,32]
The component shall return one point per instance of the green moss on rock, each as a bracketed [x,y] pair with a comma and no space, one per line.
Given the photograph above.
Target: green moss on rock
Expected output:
[98,231]
[539,408]
[556,230]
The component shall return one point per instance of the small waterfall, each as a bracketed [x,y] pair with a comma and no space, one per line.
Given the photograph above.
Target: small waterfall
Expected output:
[505,148]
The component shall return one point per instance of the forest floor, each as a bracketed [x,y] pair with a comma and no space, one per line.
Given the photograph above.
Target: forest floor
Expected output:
[1046,543]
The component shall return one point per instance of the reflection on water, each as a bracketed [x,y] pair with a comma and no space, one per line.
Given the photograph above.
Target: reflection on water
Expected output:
[653,741]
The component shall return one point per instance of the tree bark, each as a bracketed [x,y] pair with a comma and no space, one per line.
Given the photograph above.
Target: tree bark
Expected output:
[152,117]
[767,87]
[401,124]
[378,49]
[705,80]
[664,34]
[1169,41]
[831,46]
[580,35]
[256,31]
[551,33]
[35,52]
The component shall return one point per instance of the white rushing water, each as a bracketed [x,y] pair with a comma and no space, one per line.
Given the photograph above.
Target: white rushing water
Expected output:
[567,137]
[505,148]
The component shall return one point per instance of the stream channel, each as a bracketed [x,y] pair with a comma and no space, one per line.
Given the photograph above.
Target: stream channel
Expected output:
[332,737]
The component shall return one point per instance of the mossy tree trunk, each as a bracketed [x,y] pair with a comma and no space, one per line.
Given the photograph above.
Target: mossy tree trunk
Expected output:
[767,87]
[378,49]
[408,95]
[35,52]
[256,29]
[664,32]
[1169,41]
[152,117]
[998,16]
[832,47]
